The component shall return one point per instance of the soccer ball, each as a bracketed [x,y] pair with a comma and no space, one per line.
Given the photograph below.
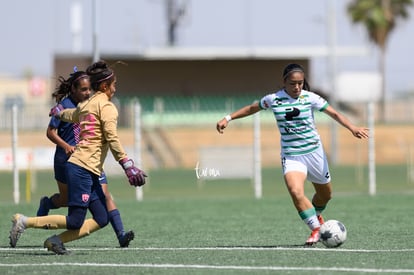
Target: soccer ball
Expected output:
[332,233]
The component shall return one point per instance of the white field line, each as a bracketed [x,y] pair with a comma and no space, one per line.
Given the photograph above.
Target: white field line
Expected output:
[219,267]
[218,248]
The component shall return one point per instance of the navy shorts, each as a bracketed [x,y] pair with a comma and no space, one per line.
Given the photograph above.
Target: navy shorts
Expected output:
[83,186]
[60,173]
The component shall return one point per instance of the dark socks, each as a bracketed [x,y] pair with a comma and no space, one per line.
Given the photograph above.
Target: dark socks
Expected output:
[116,222]
[50,203]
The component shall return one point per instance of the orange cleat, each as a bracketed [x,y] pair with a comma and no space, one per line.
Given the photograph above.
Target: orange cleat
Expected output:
[313,238]
[320,219]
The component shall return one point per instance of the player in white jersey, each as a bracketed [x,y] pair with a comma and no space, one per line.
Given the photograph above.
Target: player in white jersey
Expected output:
[302,154]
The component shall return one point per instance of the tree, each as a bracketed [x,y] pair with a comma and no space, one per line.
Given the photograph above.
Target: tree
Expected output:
[379,17]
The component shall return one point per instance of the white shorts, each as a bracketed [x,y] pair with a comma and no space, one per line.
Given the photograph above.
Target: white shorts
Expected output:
[314,165]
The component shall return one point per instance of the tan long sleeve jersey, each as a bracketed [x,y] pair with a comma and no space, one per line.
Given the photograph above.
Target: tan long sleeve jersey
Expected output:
[97,118]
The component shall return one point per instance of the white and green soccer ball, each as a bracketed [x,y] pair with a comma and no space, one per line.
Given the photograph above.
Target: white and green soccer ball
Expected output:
[332,233]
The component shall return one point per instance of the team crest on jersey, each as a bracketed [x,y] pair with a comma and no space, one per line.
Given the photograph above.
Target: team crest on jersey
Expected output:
[85,197]
[302,99]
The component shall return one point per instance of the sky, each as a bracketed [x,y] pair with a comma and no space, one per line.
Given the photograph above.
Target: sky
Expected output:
[33,31]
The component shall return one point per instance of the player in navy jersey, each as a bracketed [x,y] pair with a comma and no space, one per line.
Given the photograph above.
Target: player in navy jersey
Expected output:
[65,135]
[302,154]
[97,118]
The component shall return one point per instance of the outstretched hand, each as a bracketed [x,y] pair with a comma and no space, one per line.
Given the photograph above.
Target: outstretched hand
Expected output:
[360,132]
[221,125]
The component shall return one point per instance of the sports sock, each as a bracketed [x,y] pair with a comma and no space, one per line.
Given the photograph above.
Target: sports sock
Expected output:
[46,222]
[309,217]
[88,227]
[116,222]
[51,204]
[318,209]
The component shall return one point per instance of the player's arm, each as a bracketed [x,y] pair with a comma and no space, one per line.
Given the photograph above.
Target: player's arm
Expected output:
[69,115]
[109,118]
[53,136]
[109,115]
[359,132]
[242,112]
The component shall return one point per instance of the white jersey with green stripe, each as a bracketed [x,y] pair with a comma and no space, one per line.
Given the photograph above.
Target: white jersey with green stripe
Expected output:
[295,120]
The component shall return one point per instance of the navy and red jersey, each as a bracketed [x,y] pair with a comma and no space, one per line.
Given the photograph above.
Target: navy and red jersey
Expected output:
[68,131]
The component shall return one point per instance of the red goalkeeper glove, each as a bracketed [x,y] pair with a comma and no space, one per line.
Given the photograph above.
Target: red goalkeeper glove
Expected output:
[136,176]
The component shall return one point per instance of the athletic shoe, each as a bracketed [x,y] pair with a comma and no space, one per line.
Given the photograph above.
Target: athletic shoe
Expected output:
[126,238]
[55,245]
[43,207]
[313,238]
[17,229]
[320,219]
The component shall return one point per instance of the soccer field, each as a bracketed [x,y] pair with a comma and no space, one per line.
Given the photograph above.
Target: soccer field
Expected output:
[219,228]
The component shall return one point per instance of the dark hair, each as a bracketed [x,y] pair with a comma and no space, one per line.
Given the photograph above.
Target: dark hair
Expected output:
[99,72]
[64,88]
[295,68]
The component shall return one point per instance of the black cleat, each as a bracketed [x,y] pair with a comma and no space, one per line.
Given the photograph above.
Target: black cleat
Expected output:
[126,238]
[55,245]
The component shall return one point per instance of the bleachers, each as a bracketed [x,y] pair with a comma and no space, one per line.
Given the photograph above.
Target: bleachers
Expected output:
[394,143]
[391,148]
[175,128]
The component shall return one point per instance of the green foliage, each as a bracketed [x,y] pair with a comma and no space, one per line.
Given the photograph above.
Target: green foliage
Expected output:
[378,16]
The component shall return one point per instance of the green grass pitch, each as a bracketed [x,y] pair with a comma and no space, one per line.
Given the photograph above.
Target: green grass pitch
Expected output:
[217,227]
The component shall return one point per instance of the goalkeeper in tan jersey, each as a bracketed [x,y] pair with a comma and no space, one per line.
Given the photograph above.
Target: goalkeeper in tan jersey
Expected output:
[98,122]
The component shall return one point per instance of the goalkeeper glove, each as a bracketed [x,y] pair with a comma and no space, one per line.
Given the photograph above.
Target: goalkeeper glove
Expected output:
[136,176]
[55,111]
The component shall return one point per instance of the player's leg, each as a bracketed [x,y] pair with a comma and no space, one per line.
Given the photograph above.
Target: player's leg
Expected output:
[55,201]
[79,227]
[323,194]
[76,223]
[295,175]
[81,193]
[295,184]
[21,222]
[59,199]
[124,238]
[319,175]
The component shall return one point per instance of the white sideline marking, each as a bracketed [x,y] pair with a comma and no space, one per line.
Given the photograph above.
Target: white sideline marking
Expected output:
[246,248]
[220,267]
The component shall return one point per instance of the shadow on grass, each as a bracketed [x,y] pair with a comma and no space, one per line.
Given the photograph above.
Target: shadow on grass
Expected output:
[32,250]
[267,246]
